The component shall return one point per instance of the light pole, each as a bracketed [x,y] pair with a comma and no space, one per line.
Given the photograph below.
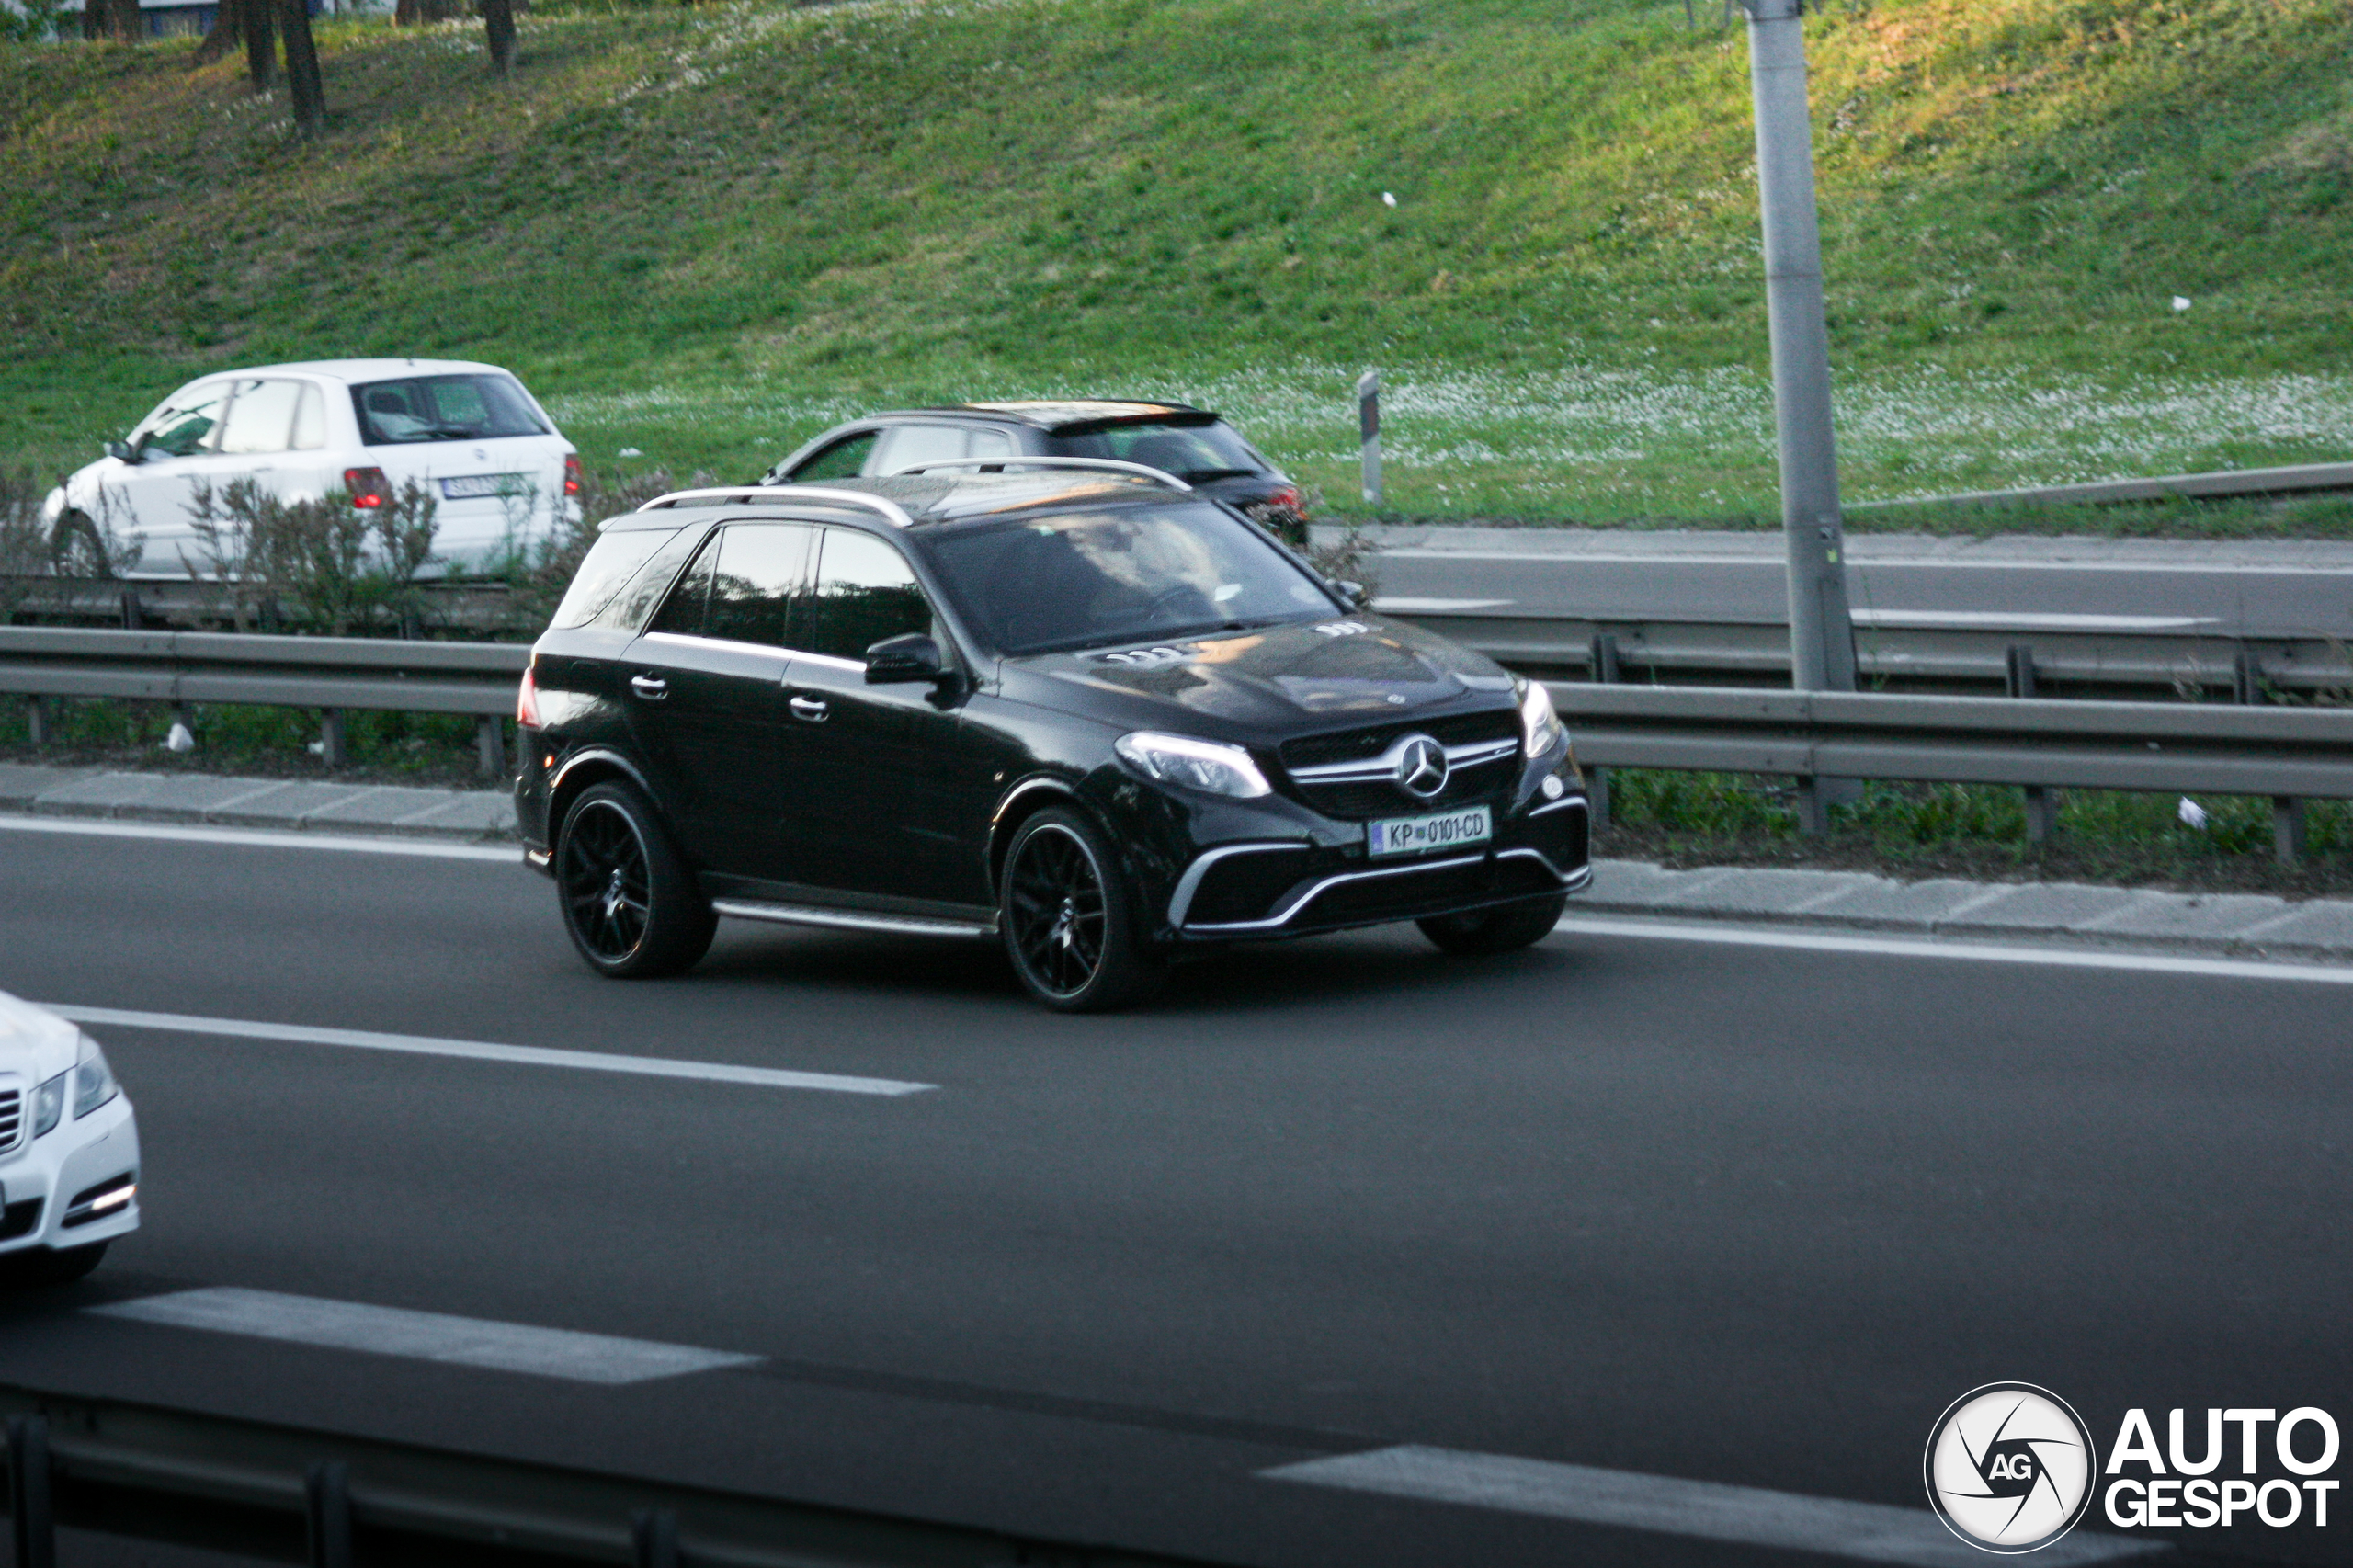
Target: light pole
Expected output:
[1822,635]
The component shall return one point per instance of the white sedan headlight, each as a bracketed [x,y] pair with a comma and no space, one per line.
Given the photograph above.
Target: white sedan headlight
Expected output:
[1540,727]
[1197,765]
[49,1104]
[94,1081]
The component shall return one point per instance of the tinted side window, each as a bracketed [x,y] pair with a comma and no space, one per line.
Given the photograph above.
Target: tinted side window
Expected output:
[906,445]
[262,419]
[865,592]
[613,561]
[846,459]
[684,610]
[630,607]
[757,577]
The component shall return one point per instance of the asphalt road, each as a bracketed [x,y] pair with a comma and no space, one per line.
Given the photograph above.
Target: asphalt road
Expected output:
[1671,1207]
[1722,578]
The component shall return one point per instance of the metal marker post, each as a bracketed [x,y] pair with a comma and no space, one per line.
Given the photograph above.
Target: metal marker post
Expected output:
[1368,431]
[1822,634]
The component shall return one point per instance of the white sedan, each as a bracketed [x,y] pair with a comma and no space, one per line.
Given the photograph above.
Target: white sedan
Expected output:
[69,1149]
[498,469]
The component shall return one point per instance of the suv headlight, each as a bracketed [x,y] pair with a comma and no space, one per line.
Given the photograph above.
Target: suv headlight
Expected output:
[1197,765]
[94,1081]
[1540,727]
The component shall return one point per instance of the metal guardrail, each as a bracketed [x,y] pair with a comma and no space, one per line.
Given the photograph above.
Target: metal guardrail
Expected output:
[330,673]
[297,1494]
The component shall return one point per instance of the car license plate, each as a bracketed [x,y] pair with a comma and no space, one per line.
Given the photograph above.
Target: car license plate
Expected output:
[467,487]
[1442,830]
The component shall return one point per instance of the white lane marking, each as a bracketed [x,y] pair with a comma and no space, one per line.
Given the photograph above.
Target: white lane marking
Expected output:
[262,838]
[482,1050]
[424,1336]
[1956,948]
[1705,1509]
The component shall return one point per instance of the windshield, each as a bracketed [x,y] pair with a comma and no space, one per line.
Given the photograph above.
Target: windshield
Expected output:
[1191,452]
[1129,575]
[443,408]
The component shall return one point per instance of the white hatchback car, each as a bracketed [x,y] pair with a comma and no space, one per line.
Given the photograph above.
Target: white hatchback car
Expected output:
[69,1149]
[499,468]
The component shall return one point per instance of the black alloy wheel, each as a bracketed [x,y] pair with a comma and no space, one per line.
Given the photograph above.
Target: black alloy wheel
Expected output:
[1503,930]
[628,900]
[1066,921]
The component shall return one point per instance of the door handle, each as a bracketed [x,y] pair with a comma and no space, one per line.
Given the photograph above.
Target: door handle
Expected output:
[809,707]
[654,688]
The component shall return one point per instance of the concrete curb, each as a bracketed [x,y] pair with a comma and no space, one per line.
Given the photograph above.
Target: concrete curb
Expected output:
[473,815]
[2223,925]
[2230,924]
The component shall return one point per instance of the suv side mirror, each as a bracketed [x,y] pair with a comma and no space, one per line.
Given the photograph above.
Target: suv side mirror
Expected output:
[122,451]
[1352,594]
[912,656]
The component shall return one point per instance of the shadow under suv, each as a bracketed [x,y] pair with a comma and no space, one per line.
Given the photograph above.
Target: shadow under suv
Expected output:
[1077,707]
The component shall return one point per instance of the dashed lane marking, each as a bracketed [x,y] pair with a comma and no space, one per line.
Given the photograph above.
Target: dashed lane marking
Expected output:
[424,1336]
[1704,1510]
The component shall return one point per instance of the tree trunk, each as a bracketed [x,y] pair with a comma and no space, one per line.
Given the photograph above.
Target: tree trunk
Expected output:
[225,35]
[498,20]
[123,20]
[261,42]
[302,67]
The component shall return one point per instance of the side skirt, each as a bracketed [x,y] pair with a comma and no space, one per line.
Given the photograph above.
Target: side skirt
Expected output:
[851,919]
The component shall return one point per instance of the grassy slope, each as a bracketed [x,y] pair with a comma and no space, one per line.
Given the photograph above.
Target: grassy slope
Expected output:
[705,233]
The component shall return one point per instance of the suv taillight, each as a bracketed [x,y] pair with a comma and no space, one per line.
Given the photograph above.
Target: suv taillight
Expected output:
[572,473]
[368,488]
[1288,500]
[526,701]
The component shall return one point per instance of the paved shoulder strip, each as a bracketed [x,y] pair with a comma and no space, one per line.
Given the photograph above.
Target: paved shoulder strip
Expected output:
[424,1336]
[1707,1510]
[482,1050]
[1960,950]
[265,838]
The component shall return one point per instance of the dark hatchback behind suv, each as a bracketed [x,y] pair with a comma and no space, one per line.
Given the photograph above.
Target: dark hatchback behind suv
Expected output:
[1081,709]
[1194,444]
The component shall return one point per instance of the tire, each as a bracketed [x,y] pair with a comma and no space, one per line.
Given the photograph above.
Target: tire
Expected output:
[630,901]
[1504,930]
[1068,919]
[76,549]
[49,1266]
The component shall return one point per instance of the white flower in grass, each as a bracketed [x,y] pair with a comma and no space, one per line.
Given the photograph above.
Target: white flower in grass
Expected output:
[1389,199]
[2180,304]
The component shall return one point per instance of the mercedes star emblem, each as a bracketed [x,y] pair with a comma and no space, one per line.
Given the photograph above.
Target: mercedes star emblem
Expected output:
[1421,767]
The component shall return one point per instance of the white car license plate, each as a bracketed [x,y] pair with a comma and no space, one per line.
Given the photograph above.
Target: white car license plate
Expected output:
[467,487]
[1442,830]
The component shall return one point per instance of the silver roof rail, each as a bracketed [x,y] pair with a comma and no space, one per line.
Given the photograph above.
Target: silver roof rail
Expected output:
[751,493]
[1021,459]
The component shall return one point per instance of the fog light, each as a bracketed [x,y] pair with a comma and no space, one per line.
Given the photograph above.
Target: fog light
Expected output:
[1553,786]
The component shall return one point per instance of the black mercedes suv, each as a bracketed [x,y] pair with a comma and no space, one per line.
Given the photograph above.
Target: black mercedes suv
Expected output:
[1075,706]
[1194,444]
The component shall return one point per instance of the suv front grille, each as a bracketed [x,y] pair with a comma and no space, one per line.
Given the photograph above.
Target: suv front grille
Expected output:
[1483,746]
[12,1119]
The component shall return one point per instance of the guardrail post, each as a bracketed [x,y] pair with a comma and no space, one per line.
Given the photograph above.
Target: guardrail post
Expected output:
[37,721]
[332,749]
[133,613]
[1603,663]
[2042,804]
[327,1514]
[2287,828]
[29,1517]
[1369,433]
[654,1538]
[490,742]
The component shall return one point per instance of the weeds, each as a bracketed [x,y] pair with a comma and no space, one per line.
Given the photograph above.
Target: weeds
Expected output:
[324,564]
